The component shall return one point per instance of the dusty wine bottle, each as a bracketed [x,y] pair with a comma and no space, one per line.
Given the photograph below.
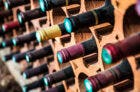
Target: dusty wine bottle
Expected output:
[9,56]
[1,45]
[21,56]
[9,4]
[9,26]
[2,34]
[59,76]
[91,18]
[47,5]
[35,71]
[59,88]
[29,15]
[108,77]
[127,47]
[76,51]
[33,85]
[50,32]
[87,19]
[27,38]
[7,43]
[37,54]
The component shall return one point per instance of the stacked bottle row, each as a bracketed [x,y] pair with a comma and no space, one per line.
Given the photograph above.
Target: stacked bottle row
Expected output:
[90,50]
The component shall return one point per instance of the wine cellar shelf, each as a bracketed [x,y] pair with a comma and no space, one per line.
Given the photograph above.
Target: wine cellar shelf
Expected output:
[78,53]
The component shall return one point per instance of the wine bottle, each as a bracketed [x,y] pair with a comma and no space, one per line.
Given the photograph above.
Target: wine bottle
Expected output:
[33,85]
[76,51]
[38,54]
[127,47]
[91,18]
[9,56]
[9,26]
[7,43]
[29,15]
[87,19]
[59,76]
[59,88]
[47,5]
[27,38]
[50,32]
[21,56]
[6,13]
[108,77]
[9,4]
[35,71]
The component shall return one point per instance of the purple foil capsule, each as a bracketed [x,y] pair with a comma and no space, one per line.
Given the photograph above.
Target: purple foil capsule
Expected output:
[76,51]
[70,53]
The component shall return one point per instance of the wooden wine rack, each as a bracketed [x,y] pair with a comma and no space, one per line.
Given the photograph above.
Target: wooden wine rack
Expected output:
[103,34]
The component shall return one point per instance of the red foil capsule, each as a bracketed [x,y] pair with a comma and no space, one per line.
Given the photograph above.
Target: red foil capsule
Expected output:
[108,77]
[79,50]
[9,26]
[71,53]
[127,47]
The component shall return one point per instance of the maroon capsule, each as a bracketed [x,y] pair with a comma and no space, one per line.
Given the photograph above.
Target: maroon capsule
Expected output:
[10,26]
[84,48]
[127,47]
[108,77]
[70,53]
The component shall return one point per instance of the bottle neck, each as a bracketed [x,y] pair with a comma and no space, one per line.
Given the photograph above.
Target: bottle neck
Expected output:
[109,77]
[91,18]
[30,15]
[56,77]
[76,51]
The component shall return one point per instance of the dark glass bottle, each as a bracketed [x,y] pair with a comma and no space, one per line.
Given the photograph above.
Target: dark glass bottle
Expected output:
[9,26]
[33,85]
[7,43]
[35,71]
[76,51]
[91,18]
[73,23]
[38,54]
[21,56]
[59,76]
[29,15]
[108,77]
[50,32]
[27,38]
[9,4]
[127,47]
[9,56]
